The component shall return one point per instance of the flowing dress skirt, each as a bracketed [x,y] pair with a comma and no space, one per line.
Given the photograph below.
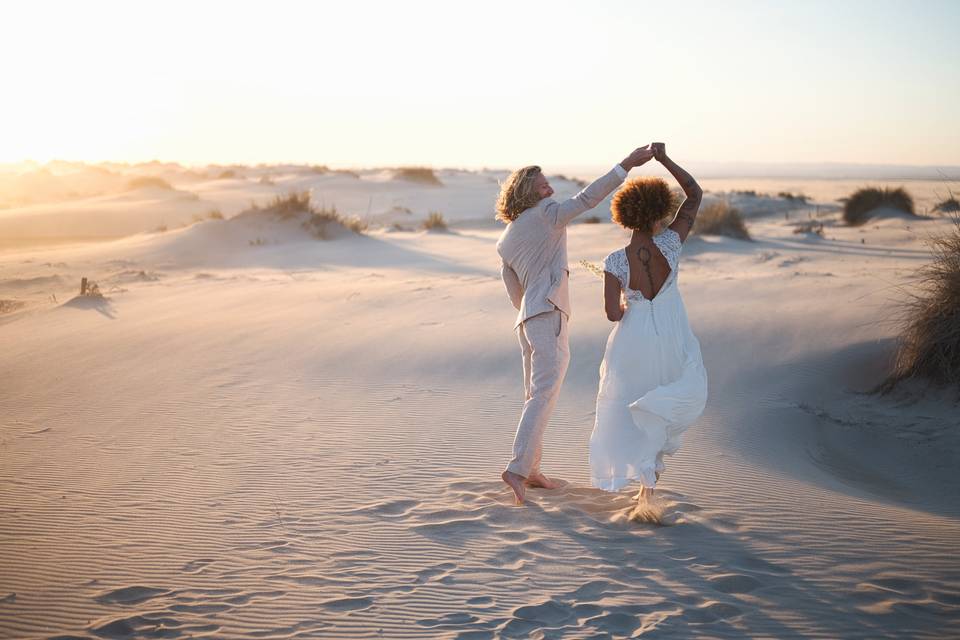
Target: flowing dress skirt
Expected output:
[653,386]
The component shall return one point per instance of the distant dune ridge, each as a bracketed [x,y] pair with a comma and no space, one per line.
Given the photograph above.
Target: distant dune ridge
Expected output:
[258,433]
[63,201]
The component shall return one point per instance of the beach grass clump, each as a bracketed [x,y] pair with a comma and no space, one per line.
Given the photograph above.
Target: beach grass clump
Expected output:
[858,207]
[149,182]
[929,344]
[591,220]
[950,205]
[321,222]
[435,222]
[420,175]
[720,219]
[214,214]
[577,181]
[792,197]
[811,226]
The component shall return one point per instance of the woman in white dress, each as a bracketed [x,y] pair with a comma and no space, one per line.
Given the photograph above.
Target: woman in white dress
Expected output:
[652,381]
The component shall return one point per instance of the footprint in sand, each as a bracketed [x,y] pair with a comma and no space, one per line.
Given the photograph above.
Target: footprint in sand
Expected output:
[443,570]
[550,613]
[449,620]
[348,604]
[734,583]
[130,595]
[616,624]
[196,566]
[711,612]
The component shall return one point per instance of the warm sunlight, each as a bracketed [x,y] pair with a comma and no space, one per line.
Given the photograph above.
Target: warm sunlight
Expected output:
[444,84]
[493,319]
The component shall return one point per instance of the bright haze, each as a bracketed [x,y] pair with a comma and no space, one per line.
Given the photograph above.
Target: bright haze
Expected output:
[480,84]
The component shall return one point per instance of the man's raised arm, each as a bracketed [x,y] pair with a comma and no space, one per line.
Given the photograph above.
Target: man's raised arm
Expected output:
[562,213]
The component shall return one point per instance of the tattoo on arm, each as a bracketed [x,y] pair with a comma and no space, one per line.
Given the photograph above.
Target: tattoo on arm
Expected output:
[687,183]
[686,215]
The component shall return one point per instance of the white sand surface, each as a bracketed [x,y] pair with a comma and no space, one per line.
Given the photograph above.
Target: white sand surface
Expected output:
[304,438]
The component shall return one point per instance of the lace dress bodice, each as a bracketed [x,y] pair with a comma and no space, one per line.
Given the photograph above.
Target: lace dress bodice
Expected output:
[669,244]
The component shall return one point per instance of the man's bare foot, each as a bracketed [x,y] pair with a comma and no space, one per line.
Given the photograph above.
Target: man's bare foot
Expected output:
[540,481]
[515,482]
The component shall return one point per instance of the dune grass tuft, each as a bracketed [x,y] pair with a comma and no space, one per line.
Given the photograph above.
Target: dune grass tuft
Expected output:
[321,222]
[950,205]
[929,343]
[421,175]
[719,218]
[859,206]
[149,182]
[435,222]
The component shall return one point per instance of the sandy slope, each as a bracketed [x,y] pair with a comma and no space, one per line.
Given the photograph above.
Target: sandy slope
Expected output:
[303,439]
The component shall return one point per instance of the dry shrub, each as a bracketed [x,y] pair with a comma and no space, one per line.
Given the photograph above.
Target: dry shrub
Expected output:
[318,221]
[421,175]
[858,207]
[811,226]
[435,222]
[591,220]
[149,182]
[9,306]
[215,214]
[577,181]
[720,219]
[799,197]
[950,205]
[929,345]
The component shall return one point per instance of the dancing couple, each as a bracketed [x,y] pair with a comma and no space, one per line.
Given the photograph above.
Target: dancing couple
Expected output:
[652,381]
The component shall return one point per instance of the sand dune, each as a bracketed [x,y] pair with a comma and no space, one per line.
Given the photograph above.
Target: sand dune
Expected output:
[303,438]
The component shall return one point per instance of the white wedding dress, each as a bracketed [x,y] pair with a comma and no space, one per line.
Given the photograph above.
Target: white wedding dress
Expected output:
[652,381]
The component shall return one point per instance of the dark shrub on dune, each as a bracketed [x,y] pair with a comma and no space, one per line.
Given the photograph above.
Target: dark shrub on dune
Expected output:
[320,222]
[149,182]
[435,222]
[422,175]
[929,345]
[859,206]
[950,205]
[720,219]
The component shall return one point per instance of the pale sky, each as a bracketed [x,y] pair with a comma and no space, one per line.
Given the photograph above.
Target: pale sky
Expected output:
[475,84]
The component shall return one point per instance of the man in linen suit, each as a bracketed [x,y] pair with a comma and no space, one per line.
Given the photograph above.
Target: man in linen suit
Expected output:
[533,251]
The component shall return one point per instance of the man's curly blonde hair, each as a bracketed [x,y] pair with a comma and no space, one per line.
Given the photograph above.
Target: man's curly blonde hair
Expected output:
[518,193]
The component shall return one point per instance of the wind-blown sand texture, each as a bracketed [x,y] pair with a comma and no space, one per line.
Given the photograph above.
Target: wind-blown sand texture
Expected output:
[303,439]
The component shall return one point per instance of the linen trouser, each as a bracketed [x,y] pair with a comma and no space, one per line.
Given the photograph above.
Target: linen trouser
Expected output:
[544,343]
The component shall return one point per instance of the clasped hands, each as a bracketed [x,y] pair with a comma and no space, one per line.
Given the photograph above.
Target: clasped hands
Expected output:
[642,155]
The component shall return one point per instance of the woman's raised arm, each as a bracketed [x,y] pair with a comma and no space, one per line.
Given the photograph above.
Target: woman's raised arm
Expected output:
[687,213]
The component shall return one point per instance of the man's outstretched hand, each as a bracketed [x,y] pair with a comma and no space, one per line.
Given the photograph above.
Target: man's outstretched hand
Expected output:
[638,157]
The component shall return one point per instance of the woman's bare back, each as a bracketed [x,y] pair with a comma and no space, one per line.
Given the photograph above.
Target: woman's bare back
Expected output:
[649,270]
